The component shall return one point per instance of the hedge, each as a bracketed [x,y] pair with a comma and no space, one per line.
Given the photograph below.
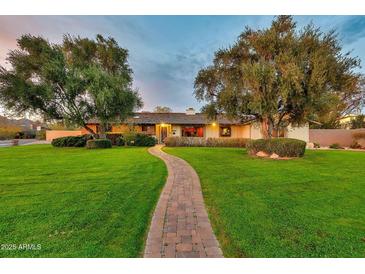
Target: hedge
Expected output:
[139,139]
[71,141]
[113,137]
[98,143]
[284,147]
[205,142]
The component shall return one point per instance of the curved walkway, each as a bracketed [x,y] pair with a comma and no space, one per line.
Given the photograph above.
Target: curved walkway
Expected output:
[180,226]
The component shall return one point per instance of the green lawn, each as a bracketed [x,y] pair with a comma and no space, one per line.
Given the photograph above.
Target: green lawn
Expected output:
[77,202]
[309,207]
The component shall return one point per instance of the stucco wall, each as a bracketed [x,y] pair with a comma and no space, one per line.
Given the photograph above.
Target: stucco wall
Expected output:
[53,134]
[300,133]
[211,131]
[326,137]
[240,131]
[177,130]
[255,131]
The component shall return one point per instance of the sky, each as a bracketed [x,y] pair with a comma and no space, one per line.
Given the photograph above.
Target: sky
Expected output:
[166,52]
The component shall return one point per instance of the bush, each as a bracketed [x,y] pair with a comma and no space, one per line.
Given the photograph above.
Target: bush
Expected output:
[205,142]
[8,131]
[26,134]
[119,141]
[113,137]
[355,145]
[185,141]
[139,139]
[316,145]
[335,146]
[284,147]
[98,143]
[41,135]
[71,141]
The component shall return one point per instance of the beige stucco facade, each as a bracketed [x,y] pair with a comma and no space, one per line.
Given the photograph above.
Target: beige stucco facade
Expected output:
[251,130]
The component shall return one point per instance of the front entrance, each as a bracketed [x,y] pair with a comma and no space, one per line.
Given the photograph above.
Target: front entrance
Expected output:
[163,134]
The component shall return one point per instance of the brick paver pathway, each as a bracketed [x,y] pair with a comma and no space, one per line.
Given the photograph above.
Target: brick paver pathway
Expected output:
[180,226]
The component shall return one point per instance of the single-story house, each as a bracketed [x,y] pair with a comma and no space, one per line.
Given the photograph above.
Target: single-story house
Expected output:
[192,124]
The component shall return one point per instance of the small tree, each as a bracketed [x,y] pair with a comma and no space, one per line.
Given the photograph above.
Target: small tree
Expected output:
[281,76]
[75,81]
[162,109]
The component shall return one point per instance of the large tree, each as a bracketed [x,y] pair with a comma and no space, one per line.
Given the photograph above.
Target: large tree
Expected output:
[162,109]
[75,81]
[281,75]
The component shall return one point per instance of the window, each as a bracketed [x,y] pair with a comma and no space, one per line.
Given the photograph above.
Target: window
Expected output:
[225,131]
[144,128]
[192,131]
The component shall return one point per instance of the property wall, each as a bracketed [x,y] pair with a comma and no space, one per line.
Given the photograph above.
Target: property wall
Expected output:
[53,134]
[300,133]
[92,126]
[326,137]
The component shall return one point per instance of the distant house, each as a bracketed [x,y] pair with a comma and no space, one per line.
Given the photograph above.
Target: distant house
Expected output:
[192,124]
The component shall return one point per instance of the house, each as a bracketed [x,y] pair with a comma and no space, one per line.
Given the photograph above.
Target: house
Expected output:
[192,124]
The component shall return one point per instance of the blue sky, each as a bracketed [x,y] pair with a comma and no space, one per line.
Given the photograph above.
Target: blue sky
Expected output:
[166,52]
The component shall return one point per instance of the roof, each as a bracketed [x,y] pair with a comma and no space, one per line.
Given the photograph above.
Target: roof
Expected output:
[179,118]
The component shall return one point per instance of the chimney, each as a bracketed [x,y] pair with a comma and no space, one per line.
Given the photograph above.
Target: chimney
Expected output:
[190,111]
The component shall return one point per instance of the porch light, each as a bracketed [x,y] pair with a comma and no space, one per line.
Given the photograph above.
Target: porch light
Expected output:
[214,124]
[163,125]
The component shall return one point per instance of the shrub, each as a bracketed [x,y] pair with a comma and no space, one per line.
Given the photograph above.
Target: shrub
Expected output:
[8,131]
[71,141]
[98,143]
[335,146]
[41,135]
[139,139]
[185,141]
[226,142]
[284,147]
[119,141]
[205,142]
[316,145]
[113,137]
[355,145]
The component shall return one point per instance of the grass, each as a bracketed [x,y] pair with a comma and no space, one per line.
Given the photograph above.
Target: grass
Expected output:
[308,207]
[76,202]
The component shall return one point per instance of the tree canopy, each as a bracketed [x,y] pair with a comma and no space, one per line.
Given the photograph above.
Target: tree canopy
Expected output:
[281,75]
[162,109]
[74,81]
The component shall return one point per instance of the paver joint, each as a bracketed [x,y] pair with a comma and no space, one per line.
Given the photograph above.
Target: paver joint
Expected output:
[180,227]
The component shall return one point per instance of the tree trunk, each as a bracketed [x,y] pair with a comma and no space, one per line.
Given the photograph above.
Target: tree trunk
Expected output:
[267,128]
[91,131]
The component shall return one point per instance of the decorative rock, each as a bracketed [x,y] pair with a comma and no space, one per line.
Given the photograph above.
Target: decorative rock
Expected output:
[262,154]
[274,156]
[310,145]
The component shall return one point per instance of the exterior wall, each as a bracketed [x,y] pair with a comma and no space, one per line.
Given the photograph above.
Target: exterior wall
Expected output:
[176,131]
[126,128]
[300,133]
[327,137]
[255,131]
[240,131]
[53,134]
[211,131]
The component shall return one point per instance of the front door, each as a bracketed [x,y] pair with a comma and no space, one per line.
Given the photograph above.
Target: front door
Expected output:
[163,134]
